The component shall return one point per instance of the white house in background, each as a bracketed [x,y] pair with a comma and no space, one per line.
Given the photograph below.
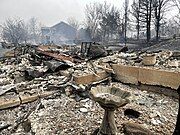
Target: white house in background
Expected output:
[61,33]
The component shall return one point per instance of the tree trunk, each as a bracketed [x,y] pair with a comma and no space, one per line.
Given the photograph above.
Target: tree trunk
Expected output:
[157,31]
[104,37]
[149,12]
[138,29]
[157,19]
[148,31]
[138,21]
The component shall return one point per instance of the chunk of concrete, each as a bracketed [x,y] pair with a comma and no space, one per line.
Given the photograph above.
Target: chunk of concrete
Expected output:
[151,76]
[135,129]
[89,78]
[26,97]
[159,77]
[149,60]
[46,94]
[126,74]
[9,100]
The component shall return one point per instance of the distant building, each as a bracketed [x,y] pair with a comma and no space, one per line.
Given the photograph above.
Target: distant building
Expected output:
[61,33]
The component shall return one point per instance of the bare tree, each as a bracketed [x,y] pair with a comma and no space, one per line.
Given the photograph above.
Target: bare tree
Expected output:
[73,22]
[146,9]
[103,21]
[172,27]
[126,19]
[15,31]
[176,18]
[136,14]
[34,30]
[160,8]
[110,24]
[93,16]
[177,4]
[104,27]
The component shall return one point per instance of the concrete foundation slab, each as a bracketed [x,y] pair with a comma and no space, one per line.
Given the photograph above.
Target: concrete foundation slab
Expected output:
[144,75]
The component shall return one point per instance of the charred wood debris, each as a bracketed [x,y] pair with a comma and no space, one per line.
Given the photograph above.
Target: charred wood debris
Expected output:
[29,74]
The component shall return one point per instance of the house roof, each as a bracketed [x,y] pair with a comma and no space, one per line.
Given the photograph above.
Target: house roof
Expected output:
[62,24]
[60,32]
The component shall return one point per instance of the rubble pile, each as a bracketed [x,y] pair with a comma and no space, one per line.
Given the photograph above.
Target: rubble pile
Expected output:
[164,59]
[46,91]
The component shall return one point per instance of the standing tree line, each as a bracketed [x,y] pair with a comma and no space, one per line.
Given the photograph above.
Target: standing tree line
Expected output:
[148,13]
[104,22]
[17,31]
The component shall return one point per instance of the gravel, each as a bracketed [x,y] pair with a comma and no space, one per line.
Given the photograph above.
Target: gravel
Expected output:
[64,116]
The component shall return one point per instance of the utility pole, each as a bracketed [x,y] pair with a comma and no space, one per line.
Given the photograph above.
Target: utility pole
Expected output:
[125,24]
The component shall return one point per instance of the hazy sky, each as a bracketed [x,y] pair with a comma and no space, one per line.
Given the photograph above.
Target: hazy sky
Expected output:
[49,12]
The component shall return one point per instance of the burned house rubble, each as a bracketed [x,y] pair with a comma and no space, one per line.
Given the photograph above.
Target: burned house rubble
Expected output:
[51,89]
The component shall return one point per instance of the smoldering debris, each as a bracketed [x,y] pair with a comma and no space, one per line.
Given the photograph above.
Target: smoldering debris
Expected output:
[45,89]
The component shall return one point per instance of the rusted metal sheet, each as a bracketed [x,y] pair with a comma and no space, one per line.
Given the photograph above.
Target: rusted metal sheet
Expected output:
[45,50]
[58,56]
